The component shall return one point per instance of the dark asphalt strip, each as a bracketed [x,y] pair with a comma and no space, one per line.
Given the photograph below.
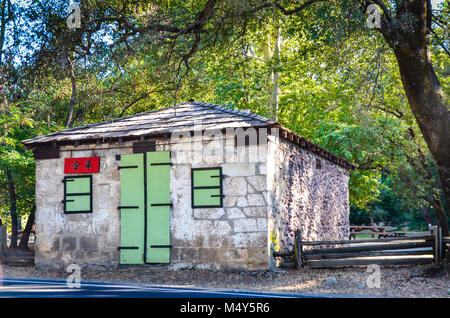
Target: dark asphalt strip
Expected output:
[58,288]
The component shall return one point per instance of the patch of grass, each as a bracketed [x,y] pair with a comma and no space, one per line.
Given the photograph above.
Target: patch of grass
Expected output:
[362,236]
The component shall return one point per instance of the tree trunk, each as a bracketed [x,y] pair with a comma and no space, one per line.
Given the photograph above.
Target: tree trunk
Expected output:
[427,103]
[73,97]
[442,218]
[12,209]
[271,55]
[275,75]
[26,232]
[426,215]
[410,41]
[372,222]
[4,19]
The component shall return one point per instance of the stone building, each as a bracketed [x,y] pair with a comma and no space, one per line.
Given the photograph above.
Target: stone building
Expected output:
[193,185]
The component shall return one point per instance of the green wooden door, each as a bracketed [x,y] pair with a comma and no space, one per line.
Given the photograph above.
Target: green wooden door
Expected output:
[145,208]
[132,209]
[158,207]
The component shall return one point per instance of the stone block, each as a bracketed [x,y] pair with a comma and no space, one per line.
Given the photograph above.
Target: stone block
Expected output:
[245,225]
[249,239]
[262,224]
[181,172]
[109,241]
[255,211]
[238,169]
[173,254]
[233,255]
[104,257]
[234,186]
[188,254]
[233,258]
[235,213]
[266,196]
[209,255]
[254,155]
[241,201]
[210,214]
[115,256]
[81,154]
[229,200]
[86,256]
[88,242]
[69,243]
[258,259]
[262,168]
[259,183]
[256,200]
[56,244]
[198,241]
[212,155]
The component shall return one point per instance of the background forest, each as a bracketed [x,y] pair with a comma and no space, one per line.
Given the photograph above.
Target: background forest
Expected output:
[321,73]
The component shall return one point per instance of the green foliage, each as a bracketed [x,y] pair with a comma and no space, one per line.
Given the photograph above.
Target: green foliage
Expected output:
[15,126]
[386,209]
[339,84]
[359,216]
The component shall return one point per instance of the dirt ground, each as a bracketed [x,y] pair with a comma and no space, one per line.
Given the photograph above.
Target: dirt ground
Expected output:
[401,281]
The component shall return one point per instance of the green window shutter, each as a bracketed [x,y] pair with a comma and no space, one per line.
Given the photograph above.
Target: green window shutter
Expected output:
[77,194]
[158,207]
[206,177]
[132,209]
[207,187]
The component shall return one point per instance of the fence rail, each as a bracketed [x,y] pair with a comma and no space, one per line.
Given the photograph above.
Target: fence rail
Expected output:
[407,250]
[369,240]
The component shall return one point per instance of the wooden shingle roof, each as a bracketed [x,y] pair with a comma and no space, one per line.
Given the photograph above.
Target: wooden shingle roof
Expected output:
[166,120]
[181,117]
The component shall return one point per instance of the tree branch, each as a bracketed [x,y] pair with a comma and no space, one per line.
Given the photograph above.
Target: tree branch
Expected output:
[440,43]
[284,10]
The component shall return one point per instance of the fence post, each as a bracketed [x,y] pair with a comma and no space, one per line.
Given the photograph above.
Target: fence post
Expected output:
[3,239]
[447,246]
[437,247]
[298,249]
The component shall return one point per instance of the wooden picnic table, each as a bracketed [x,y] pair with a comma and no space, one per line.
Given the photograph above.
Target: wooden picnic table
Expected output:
[373,230]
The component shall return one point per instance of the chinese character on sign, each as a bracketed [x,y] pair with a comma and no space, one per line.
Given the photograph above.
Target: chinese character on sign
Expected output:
[76,165]
[88,164]
[82,165]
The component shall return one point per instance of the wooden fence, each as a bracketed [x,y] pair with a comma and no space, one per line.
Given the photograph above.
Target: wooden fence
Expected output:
[419,249]
[446,247]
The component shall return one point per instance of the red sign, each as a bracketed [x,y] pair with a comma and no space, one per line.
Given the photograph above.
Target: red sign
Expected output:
[82,165]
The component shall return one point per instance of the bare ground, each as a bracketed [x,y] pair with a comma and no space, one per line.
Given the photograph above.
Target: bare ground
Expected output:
[400,281]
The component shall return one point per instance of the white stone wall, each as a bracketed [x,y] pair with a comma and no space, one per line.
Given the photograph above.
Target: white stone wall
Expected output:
[234,236]
[88,238]
[231,237]
[306,192]
[265,201]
